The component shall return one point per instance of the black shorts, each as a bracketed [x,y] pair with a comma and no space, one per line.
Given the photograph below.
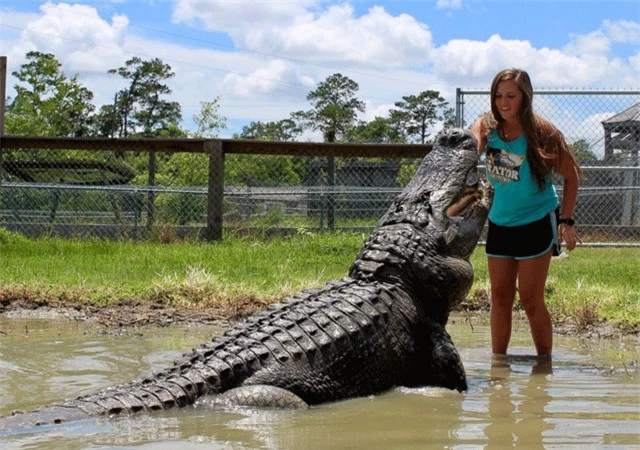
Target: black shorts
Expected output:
[524,241]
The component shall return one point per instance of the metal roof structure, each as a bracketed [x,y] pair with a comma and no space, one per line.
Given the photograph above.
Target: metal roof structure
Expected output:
[631,114]
[622,132]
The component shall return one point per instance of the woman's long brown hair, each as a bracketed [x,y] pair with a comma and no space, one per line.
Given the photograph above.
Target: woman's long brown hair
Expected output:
[546,145]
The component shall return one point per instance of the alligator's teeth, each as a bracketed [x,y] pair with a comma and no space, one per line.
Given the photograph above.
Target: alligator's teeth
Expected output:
[468,197]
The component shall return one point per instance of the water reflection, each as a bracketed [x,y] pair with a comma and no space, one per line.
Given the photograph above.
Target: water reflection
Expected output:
[517,410]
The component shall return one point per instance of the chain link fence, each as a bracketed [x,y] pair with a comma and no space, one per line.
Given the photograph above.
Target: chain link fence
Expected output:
[167,189]
[603,128]
[177,188]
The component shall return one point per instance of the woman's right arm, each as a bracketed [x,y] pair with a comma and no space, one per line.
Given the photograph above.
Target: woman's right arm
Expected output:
[479,131]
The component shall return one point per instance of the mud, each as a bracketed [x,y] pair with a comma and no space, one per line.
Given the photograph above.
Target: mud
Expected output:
[126,315]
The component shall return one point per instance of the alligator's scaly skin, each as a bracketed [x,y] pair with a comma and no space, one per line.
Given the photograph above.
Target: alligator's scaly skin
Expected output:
[379,327]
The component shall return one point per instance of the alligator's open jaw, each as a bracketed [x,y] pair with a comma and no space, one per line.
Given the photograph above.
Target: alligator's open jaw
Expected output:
[466,215]
[471,194]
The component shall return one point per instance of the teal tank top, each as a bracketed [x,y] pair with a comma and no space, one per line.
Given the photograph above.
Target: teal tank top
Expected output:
[517,198]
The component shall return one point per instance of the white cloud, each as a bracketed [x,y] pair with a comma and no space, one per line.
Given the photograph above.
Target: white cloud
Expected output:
[465,61]
[77,35]
[594,43]
[13,21]
[237,17]
[11,45]
[634,61]
[600,41]
[250,85]
[463,58]
[449,4]
[283,49]
[272,77]
[622,31]
[334,34]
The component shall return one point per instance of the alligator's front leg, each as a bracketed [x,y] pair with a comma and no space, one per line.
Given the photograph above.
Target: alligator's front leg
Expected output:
[254,396]
[439,363]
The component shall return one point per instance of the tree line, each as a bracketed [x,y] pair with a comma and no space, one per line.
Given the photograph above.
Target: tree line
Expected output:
[49,103]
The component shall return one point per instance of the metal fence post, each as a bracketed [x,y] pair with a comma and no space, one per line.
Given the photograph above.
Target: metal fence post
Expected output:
[215,191]
[3,96]
[459,106]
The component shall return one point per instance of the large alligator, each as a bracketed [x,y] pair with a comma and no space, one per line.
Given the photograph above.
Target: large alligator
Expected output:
[381,326]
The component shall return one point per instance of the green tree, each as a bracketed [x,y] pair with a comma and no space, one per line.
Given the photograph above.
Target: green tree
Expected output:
[106,122]
[142,111]
[47,103]
[449,116]
[187,169]
[416,113]
[582,153]
[209,120]
[335,107]
[379,130]
[192,169]
[140,108]
[285,130]
[266,170]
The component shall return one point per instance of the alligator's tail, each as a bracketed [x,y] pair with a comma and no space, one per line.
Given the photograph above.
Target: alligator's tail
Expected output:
[180,385]
[152,395]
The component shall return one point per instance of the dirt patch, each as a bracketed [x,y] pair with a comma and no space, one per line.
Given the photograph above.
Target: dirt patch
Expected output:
[126,314]
[129,314]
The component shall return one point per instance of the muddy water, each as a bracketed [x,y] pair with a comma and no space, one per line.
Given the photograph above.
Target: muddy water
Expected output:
[589,397]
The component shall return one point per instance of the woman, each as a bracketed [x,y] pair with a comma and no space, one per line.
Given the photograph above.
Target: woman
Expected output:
[522,151]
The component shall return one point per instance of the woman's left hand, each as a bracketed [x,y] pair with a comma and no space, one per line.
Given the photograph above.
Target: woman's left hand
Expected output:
[569,235]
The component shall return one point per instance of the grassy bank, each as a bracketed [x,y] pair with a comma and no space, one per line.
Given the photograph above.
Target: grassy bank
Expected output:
[591,284]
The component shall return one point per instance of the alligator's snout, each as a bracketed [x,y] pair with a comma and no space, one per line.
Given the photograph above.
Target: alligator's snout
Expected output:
[454,137]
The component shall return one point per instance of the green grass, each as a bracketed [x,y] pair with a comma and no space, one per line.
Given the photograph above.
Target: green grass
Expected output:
[183,273]
[599,282]
[592,284]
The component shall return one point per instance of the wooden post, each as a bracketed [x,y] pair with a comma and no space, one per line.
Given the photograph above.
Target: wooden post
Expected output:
[215,193]
[3,96]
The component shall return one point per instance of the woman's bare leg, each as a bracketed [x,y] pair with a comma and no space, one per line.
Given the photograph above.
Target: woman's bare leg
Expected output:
[532,279]
[502,274]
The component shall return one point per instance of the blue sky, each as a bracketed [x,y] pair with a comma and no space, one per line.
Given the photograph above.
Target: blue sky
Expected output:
[261,58]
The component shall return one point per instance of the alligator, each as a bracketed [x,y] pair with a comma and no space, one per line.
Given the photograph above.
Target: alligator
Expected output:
[379,327]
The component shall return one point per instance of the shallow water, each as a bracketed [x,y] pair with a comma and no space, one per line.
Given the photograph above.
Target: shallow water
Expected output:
[589,397]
